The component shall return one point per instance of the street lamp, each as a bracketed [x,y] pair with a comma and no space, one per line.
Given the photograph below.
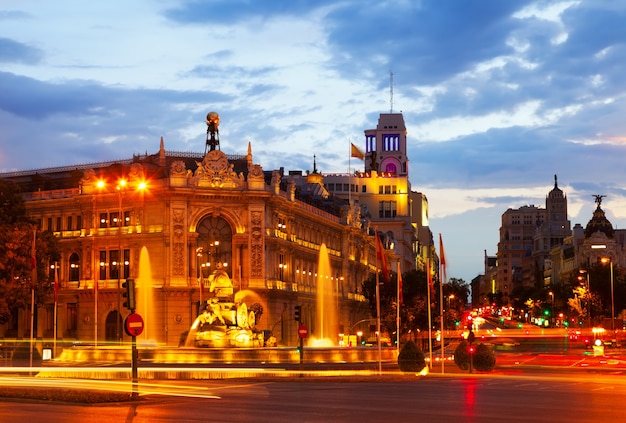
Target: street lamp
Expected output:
[604,260]
[450,297]
[199,254]
[551,294]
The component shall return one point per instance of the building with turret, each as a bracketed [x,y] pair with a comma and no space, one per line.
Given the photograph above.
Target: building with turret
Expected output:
[172,221]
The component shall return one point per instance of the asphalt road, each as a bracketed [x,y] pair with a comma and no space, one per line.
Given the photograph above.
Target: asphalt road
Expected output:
[571,398]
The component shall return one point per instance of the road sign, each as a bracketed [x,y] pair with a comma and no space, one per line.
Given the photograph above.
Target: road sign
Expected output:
[133,324]
[303,331]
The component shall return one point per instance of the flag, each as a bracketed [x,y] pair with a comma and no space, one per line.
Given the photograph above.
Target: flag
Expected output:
[400,298]
[380,254]
[356,152]
[442,259]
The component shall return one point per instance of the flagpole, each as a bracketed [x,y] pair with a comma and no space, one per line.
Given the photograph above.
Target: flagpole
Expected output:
[443,341]
[378,266]
[33,282]
[442,280]
[56,302]
[398,282]
[349,173]
[430,331]
[380,363]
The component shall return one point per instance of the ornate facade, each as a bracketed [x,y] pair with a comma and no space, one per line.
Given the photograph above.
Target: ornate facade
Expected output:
[169,220]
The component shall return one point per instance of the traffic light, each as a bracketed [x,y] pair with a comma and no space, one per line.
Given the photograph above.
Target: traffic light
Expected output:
[129,285]
[297,316]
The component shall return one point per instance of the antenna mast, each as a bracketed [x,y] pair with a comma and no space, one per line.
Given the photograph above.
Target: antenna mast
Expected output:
[391,91]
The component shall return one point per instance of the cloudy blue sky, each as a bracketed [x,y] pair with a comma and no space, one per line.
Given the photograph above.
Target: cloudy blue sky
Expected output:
[498,96]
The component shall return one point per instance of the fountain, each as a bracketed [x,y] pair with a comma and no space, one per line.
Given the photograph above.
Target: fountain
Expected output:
[224,322]
[145,294]
[326,334]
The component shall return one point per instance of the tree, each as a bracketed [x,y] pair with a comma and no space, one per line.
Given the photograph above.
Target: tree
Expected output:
[414,309]
[17,232]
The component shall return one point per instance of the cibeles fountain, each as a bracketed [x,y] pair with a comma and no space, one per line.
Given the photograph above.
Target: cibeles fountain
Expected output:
[223,321]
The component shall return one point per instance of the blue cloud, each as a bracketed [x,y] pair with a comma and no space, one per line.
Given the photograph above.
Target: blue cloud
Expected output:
[15,52]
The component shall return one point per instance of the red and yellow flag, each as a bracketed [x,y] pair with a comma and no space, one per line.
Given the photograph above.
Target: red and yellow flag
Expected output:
[380,255]
[356,152]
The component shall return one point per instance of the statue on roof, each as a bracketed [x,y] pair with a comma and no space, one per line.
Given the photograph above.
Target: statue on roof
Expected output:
[212,131]
[599,199]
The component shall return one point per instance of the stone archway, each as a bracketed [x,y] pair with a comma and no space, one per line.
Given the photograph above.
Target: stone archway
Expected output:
[113,327]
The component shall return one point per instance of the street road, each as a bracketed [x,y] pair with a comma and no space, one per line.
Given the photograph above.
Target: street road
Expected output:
[572,397]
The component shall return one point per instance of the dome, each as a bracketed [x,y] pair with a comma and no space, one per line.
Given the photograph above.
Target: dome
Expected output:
[599,222]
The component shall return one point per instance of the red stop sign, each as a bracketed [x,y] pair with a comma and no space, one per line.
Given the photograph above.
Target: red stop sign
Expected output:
[303,331]
[133,324]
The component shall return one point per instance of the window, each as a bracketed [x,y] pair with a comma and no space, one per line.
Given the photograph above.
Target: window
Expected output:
[386,209]
[116,269]
[74,268]
[79,223]
[390,168]
[69,223]
[391,142]
[58,226]
[103,220]
[103,265]
[370,143]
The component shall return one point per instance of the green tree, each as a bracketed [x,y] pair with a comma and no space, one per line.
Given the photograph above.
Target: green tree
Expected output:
[414,309]
[17,232]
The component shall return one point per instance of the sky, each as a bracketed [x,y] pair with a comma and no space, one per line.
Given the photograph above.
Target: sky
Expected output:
[498,96]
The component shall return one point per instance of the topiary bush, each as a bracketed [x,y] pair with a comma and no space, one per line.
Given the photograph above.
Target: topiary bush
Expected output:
[21,355]
[462,355]
[411,358]
[484,358]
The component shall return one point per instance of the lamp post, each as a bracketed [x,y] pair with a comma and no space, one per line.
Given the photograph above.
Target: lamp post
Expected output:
[610,261]
[551,294]
[121,185]
[199,254]
[450,297]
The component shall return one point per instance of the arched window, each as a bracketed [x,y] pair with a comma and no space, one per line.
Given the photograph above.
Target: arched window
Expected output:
[74,271]
[215,238]
[390,168]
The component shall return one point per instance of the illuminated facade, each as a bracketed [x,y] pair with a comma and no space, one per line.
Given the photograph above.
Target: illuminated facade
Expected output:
[188,214]
[178,216]
[382,194]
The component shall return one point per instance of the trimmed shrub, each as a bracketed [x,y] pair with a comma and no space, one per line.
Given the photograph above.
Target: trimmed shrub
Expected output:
[484,358]
[461,355]
[21,355]
[411,358]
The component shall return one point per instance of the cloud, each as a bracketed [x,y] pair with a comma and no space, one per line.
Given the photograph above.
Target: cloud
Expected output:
[15,52]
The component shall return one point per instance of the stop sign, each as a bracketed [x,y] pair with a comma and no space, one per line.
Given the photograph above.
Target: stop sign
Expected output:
[303,331]
[133,324]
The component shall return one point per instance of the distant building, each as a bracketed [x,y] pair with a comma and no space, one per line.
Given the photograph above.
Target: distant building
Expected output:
[527,236]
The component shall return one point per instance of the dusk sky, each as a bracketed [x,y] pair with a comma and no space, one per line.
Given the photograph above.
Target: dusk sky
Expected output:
[498,96]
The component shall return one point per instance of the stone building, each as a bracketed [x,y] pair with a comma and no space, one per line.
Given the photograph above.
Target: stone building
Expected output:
[168,220]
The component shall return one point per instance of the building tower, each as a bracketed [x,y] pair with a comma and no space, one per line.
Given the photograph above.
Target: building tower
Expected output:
[554,230]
